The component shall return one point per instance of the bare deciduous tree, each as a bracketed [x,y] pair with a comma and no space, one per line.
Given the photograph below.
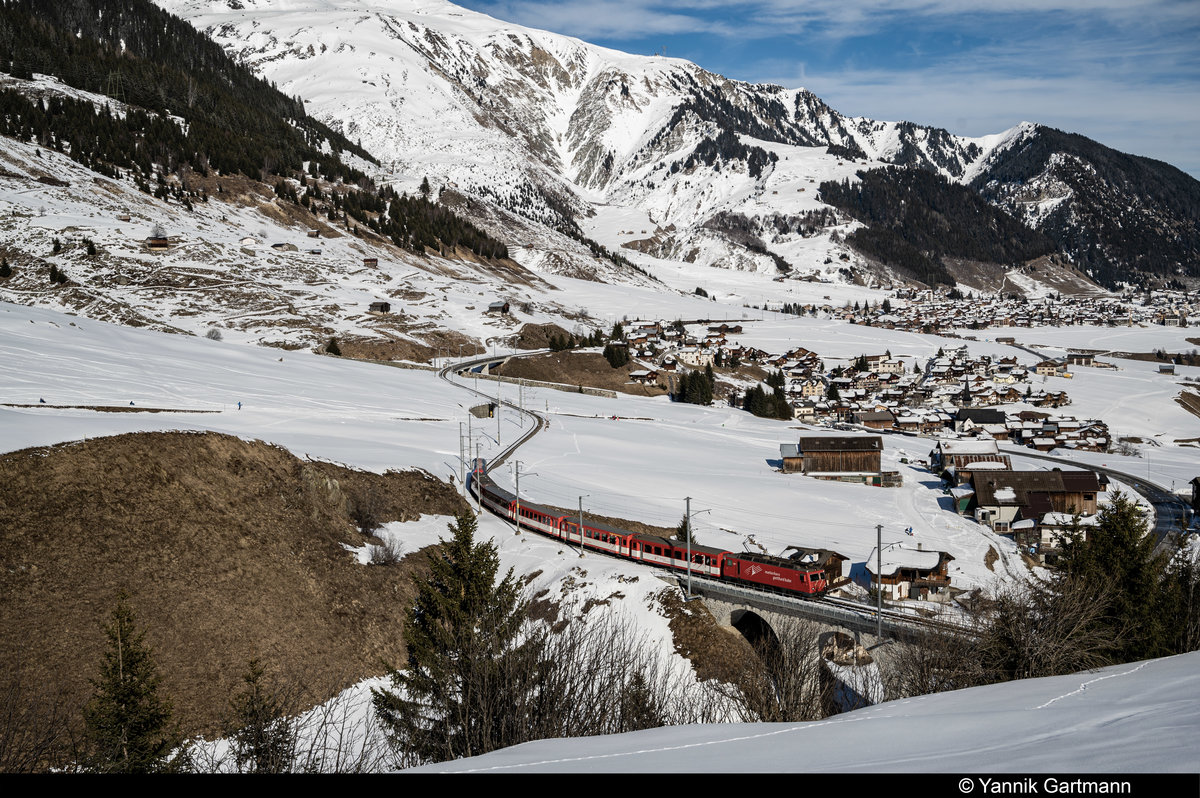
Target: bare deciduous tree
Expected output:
[35,727]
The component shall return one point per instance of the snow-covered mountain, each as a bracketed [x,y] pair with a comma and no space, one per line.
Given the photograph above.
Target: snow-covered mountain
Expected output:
[713,171]
[552,127]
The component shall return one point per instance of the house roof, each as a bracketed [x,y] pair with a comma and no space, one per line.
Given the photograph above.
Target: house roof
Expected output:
[1030,488]
[898,557]
[841,443]
[980,415]
[974,446]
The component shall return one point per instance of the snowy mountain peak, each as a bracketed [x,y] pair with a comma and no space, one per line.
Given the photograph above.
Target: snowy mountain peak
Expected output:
[570,136]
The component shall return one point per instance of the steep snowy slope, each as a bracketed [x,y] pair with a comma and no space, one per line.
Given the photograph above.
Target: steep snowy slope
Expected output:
[551,127]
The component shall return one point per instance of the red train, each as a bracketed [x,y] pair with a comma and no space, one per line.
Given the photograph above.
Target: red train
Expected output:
[762,570]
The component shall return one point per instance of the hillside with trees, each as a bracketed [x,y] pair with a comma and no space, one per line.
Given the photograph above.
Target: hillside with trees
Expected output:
[916,219]
[175,97]
[1123,214]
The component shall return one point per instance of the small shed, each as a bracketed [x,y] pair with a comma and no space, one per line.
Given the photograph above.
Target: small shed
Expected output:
[500,308]
[381,307]
[157,240]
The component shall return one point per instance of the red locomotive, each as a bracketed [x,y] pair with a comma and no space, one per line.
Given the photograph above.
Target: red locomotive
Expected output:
[761,570]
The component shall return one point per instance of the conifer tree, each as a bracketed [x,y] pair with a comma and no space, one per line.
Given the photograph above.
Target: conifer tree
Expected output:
[1118,555]
[127,722]
[456,695]
[262,737]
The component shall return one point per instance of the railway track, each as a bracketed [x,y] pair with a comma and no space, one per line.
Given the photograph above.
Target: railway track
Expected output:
[834,610]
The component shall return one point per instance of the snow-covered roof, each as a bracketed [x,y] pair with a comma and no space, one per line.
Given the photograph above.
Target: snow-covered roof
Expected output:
[896,557]
[967,446]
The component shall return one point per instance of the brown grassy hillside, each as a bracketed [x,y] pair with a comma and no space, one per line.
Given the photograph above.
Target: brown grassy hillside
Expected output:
[227,549]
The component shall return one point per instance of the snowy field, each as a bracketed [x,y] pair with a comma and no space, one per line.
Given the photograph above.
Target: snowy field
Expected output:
[1137,718]
[641,465]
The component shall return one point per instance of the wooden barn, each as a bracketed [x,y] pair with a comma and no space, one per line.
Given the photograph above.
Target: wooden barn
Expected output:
[851,458]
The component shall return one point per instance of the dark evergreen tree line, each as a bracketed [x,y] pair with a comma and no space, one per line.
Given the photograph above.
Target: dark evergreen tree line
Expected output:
[915,218]
[768,405]
[416,223]
[727,146]
[1125,212]
[142,56]
[617,355]
[696,387]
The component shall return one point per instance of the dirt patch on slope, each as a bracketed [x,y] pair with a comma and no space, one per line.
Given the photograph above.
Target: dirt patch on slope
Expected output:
[537,336]
[227,549]
[715,652]
[434,344]
[588,369]
[1190,402]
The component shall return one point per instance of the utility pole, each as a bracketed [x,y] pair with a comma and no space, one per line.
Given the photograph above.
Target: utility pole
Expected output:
[581,525]
[478,488]
[462,460]
[687,530]
[517,468]
[879,580]
[498,408]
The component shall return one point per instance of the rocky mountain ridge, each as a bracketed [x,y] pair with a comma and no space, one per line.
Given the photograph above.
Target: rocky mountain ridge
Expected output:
[557,130]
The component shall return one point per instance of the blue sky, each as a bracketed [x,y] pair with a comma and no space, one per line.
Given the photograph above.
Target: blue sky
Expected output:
[1123,72]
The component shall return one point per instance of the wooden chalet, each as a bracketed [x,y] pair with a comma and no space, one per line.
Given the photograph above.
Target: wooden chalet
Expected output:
[500,308]
[968,419]
[875,419]
[1003,497]
[381,307]
[831,562]
[910,573]
[954,452]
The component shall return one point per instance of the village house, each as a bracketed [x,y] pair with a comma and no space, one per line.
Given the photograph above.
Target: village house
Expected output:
[909,573]
[875,419]
[942,455]
[834,564]
[1003,497]
[644,376]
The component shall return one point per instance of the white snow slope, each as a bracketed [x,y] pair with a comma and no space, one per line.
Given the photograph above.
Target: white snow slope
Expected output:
[642,465]
[1136,718]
